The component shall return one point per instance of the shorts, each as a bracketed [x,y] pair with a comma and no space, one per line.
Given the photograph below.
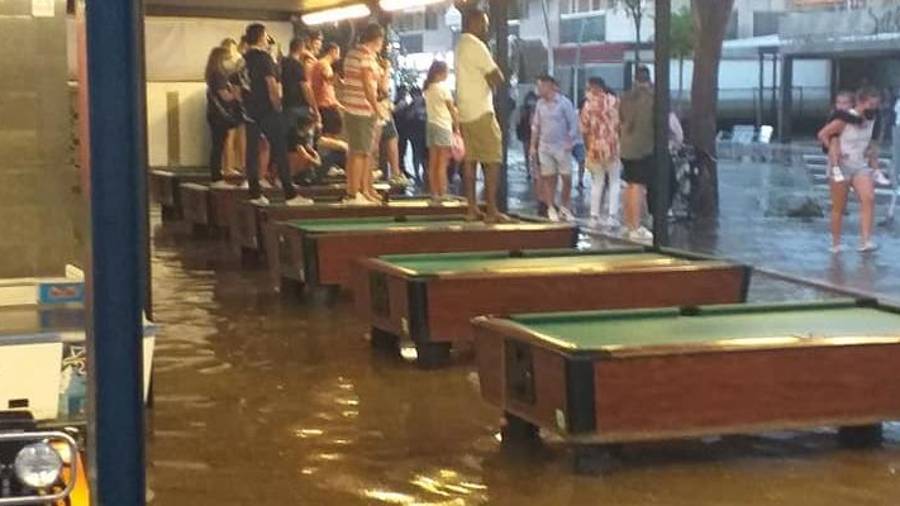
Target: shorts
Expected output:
[638,171]
[553,163]
[483,140]
[332,123]
[388,130]
[360,131]
[436,135]
[851,172]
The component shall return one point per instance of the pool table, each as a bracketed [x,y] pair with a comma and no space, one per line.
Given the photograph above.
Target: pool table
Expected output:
[251,235]
[626,376]
[165,189]
[322,252]
[431,298]
[214,209]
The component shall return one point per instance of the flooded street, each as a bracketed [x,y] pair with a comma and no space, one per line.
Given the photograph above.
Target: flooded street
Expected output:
[267,400]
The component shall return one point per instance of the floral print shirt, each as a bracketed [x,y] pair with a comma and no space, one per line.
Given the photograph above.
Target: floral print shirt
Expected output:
[600,127]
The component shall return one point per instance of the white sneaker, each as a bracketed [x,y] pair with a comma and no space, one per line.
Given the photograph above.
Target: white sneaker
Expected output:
[260,201]
[881,179]
[244,186]
[299,200]
[399,180]
[835,249]
[868,247]
[265,184]
[376,174]
[552,214]
[566,214]
[640,234]
[335,172]
[220,185]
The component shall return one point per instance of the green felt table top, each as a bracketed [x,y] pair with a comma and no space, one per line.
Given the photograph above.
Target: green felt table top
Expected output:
[417,202]
[735,326]
[409,223]
[501,262]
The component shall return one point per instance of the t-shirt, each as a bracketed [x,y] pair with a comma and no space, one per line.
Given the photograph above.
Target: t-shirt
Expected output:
[636,117]
[473,93]
[323,85]
[436,97]
[259,66]
[293,78]
[359,60]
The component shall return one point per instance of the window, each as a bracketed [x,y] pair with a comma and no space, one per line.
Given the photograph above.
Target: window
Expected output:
[412,43]
[432,12]
[518,9]
[584,6]
[583,29]
[409,21]
[765,23]
[419,21]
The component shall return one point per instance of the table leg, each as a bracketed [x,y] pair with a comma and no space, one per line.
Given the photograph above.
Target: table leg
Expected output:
[431,355]
[860,436]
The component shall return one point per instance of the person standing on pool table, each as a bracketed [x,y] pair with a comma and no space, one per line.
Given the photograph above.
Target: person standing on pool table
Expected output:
[264,107]
[361,71]
[476,75]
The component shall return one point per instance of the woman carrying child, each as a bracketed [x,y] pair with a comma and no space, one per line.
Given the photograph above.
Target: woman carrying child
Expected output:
[852,163]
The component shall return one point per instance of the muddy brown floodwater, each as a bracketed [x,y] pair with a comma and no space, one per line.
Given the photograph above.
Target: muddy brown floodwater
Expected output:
[262,400]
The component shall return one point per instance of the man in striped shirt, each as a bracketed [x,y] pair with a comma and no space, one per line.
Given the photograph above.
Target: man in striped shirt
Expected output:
[361,73]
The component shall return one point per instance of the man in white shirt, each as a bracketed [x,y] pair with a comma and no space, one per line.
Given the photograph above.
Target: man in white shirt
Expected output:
[476,76]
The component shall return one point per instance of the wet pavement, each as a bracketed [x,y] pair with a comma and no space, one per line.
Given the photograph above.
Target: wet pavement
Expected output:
[266,400]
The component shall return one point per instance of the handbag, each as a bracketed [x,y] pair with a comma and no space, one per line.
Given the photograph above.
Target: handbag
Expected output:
[457,147]
[226,114]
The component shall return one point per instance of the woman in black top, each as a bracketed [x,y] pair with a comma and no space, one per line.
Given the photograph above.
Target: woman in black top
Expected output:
[222,109]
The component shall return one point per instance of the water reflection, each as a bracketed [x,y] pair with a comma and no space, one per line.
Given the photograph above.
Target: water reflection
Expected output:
[266,401]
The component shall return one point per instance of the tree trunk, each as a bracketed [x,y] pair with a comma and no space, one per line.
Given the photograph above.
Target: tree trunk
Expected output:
[710,22]
[637,40]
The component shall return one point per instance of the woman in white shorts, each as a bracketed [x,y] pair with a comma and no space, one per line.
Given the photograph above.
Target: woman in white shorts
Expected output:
[442,122]
[857,167]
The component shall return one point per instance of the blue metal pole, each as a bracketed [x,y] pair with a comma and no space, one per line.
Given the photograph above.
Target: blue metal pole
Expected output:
[115,75]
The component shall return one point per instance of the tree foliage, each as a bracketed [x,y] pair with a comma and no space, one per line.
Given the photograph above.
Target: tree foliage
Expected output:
[681,34]
[637,10]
